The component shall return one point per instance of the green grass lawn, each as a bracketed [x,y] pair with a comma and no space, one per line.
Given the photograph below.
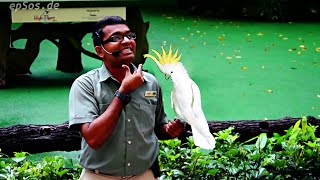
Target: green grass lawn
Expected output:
[245,70]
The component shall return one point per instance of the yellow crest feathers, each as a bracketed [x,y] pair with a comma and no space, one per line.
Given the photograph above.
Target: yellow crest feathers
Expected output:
[165,57]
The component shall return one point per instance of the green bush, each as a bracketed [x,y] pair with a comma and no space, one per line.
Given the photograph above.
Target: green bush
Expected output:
[294,155]
[50,168]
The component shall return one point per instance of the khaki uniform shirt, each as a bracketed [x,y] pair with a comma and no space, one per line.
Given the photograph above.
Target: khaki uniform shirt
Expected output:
[133,145]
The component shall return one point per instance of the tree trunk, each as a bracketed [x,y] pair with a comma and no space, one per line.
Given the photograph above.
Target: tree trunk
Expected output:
[57,137]
[5,24]
[252,128]
[38,138]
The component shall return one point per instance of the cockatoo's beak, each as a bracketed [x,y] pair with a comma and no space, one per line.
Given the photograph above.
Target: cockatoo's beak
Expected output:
[167,76]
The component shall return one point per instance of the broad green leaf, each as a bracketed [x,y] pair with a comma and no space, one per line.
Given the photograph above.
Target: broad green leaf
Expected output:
[262,141]
[18,159]
[61,173]
[213,171]
[296,125]
[304,124]
[20,154]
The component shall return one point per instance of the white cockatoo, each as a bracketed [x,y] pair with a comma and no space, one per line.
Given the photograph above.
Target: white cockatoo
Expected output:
[185,97]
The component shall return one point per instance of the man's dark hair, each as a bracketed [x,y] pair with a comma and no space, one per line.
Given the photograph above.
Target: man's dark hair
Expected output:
[97,34]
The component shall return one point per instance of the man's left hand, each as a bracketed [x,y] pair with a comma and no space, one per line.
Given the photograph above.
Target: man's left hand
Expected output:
[174,128]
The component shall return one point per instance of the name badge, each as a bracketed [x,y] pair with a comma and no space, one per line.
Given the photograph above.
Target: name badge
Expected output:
[150,94]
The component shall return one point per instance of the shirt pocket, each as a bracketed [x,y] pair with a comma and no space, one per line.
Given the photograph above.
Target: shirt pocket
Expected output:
[147,115]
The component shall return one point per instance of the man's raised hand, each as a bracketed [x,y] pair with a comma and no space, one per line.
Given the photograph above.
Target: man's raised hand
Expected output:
[131,81]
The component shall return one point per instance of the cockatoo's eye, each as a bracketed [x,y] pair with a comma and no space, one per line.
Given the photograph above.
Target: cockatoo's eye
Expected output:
[171,72]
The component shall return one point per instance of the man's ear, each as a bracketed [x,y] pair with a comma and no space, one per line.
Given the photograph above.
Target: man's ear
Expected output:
[99,51]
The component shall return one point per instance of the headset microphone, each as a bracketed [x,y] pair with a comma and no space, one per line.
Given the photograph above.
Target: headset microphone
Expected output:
[114,53]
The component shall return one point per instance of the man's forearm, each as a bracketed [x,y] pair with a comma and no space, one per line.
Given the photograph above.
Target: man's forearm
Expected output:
[99,130]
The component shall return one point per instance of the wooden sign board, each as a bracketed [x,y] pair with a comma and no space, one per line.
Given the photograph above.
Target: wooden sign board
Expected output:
[66,14]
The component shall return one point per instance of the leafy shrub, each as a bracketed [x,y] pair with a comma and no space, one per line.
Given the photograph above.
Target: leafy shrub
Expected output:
[50,168]
[294,155]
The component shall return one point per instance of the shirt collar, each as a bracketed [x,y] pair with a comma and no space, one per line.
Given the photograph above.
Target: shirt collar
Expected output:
[104,73]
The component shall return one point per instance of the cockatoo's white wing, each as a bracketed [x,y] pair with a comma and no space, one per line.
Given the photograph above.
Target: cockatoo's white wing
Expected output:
[201,132]
[187,106]
[175,108]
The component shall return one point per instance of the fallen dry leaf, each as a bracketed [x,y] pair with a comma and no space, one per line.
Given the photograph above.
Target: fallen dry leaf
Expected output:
[303,47]
[268,90]
[260,34]
[244,68]
[221,38]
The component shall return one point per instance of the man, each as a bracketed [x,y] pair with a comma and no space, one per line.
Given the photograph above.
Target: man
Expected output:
[119,110]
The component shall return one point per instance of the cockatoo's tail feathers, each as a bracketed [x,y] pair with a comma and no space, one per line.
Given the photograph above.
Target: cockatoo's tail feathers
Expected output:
[165,58]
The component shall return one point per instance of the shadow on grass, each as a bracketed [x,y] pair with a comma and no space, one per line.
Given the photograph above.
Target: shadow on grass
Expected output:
[52,80]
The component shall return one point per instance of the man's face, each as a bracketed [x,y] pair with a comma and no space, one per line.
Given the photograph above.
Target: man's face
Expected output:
[119,42]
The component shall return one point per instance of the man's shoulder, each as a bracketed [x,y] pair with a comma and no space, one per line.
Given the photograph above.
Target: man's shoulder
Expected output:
[88,76]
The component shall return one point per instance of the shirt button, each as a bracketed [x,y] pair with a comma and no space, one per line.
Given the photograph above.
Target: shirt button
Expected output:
[129,120]
[129,164]
[129,142]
